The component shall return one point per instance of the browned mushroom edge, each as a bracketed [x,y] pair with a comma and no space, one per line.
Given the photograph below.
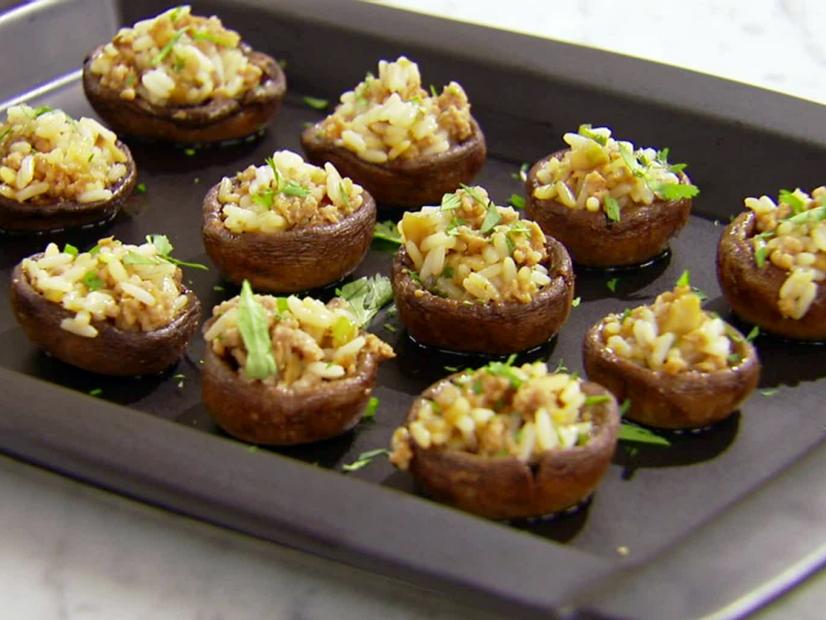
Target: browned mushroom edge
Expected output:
[753,292]
[684,400]
[593,240]
[35,216]
[279,415]
[217,120]
[403,182]
[113,351]
[293,260]
[505,487]
[493,328]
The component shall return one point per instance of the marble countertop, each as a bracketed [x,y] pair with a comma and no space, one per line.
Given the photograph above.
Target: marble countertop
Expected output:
[73,552]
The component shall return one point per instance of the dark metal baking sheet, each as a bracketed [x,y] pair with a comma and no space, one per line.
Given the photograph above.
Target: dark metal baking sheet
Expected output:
[719,513]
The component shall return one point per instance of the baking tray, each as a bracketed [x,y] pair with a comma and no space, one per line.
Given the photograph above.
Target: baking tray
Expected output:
[712,525]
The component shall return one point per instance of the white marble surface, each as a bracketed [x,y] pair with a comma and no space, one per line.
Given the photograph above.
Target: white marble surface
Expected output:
[71,552]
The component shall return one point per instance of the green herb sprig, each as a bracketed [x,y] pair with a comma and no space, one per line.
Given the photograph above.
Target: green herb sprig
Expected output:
[638,434]
[366,296]
[387,231]
[254,328]
[364,459]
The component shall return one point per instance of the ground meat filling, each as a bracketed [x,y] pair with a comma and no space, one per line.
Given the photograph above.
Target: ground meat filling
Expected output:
[47,156]
[500,410]
[791,234]
[312,343]
[474,251]
[286,193]
[673,335]
[392,117]
[176,59]
[598,173]
[130,286]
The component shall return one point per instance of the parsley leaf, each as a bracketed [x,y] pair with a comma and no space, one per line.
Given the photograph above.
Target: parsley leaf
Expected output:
[597,399]
[451,202]
[365,458]
[167,49]
[522,174]
[624,407]
[809,217]
[370,410]
[140,188]
[492,218]
[612,208]
[576,301]
[505,369]
[217,39]
[92,281]
[754,333]
[95,392]
[264,198]
[471,191]
[684,279]
[760,256]
[291,188]
[517,201]
[41,110]
[254,329]
[387,231]
[638,434]
[164,249]
[789,198]
[70,249]
[612,284]
[677,191]
[366,296]
[769,392]
[316,103]
[433,92]
[585,130]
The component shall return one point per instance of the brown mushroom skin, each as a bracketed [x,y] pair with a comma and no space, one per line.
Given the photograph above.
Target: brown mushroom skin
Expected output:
[403,183]
[753,292]
[493,328]
[39,217]
[507,488]
[593,240]
[217,120]
[282,416]
[686,400]
[293,260]
[113,351]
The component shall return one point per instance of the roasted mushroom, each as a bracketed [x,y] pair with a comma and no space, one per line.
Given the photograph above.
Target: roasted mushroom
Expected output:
[287,226]
[284,371]
[678,366]
[57,172]
[183,78]
[771,264]
[406,146]
[115,310]
[608,204]
[471,276]
[509,442]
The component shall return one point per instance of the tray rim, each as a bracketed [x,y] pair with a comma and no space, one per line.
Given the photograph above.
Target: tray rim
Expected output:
[608,592]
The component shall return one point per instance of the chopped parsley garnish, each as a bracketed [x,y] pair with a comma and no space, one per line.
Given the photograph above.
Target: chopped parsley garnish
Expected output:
[365,458]
[560,367]
[387,231]
[492,218]
[189,152]
[576,301]
[95,392]
[5,132]
[451,368]
[291,188]
[471,191]
[754,333]
[167,49]
[808,217]
[760,256]
[433,92]
[370,410]
[366,296]
[217,39]
[769,392]
[316,103]
[522,174]
[624,407]
[41,110]
[90,158]
[252,449]
[791,199]
[264,198]
[92,281]
[164,249]
[611,285]
[517,201]
[390,327]
[586,130]
[218,288]
[505,369]
[638,434]
[140,188]
[677,191]
[597,399]
[612,208]
[447,272]
[684,279]
[70,249]
[254,329]
[734,358]
[451,202]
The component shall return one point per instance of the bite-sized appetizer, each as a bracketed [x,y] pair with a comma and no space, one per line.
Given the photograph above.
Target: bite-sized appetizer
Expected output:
[471,276]
[289,370]
[118,309]
[57,172]
[609,203]
[406,145]
[287,226]
[509,442]
[771,264]
[679,366]
[183,78]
